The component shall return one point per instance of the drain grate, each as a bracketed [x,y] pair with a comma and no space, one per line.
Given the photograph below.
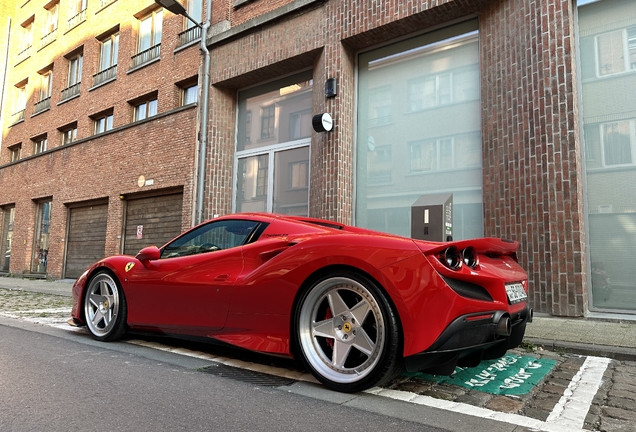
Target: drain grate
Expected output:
[247,376]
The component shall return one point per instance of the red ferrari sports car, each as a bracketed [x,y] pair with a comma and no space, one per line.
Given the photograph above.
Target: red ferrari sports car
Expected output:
[357,306]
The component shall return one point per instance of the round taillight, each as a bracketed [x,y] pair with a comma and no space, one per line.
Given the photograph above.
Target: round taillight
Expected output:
[452,258]
[470,257]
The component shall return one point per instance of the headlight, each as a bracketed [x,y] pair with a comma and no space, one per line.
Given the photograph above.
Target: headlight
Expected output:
[452,258]
[470,257]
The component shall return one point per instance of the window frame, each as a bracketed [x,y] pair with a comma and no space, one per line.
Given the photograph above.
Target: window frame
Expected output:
[40,144]
[156,31]
[193,242]
[149,102]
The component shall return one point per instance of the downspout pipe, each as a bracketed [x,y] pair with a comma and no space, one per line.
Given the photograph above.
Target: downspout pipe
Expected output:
[205,96]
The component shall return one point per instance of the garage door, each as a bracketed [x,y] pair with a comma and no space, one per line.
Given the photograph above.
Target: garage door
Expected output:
[86,238]
[152,221]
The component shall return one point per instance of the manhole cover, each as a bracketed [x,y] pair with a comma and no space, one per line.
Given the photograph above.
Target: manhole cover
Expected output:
[247,376]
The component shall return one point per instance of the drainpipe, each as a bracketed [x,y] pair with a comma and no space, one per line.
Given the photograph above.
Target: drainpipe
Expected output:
[205,96]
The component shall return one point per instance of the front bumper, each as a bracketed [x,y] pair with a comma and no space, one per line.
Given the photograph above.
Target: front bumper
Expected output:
[470,339]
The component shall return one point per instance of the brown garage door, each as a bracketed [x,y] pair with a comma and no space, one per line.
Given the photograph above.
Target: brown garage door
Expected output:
[152,221]
[86,238]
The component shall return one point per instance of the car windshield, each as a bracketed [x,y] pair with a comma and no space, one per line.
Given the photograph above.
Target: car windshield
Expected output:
[211,237]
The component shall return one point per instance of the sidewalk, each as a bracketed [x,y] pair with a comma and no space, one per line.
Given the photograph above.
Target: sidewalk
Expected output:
[603,336]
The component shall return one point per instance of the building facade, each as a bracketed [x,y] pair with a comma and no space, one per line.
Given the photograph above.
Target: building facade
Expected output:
[523,111]
[99,131]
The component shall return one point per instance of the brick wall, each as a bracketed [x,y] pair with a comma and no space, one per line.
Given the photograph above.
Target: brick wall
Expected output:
[161,149]
[531,154]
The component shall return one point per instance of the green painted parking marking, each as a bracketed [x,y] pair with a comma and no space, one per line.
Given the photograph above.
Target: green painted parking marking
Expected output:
[512,374]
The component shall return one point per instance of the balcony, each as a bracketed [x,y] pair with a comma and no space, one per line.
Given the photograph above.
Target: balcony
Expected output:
[105,75]
[146,56]
[77,19]
[47,39]
[42,105]
[70,92]
[189,35]
[24,53]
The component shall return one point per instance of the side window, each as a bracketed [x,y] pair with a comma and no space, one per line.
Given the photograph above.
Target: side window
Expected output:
[211,237]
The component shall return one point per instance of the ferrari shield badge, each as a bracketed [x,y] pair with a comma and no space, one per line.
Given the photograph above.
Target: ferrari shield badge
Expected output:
[129,266]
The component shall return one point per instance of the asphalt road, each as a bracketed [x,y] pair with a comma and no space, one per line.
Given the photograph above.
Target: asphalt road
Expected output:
[72,383]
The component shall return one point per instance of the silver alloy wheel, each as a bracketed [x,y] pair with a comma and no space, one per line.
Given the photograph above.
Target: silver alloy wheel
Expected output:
[101,305]
[341,330]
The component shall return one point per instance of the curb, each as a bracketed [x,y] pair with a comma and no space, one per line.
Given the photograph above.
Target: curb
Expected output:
[615,353]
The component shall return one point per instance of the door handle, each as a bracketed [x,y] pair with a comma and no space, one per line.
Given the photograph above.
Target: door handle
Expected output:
[222,277]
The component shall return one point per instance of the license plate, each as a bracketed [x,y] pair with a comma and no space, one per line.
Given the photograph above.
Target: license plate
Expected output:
[515,293]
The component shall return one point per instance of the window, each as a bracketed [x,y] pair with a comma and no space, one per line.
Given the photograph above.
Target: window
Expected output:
[19,103]
[74,78]
[15,152]
[211,237]
[607,48]
[74,70]
[41,238]
[419,130]
[195,10]
[445,153]
[145,109]
[189,94]
[300,125]
[77,13]
[50,26]
[443,88]
[268,115]
[69,133]
[39,144]
[44,97]
[192,32]
[380,106]
[380,164]
[272,172]
[261,175]
[7,217]
[298,175]
[27,36]
[617,140]
[108,52]
[46,83]
[149,39]
[150,29]
[102,123]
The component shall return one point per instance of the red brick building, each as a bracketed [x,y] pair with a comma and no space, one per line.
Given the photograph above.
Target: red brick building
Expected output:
[523,111]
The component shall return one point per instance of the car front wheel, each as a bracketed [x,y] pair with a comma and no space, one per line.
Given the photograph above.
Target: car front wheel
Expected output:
[105,307]
[347,332]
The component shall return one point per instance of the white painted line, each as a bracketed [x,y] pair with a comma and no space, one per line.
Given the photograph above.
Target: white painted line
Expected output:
[577,398]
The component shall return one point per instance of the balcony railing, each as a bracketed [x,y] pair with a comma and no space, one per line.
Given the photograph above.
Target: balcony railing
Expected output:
[77,19]
[17,117]
[71,91]
[47,39]
[104,3]
[189,35]
[25,51]
[104,75]
[42,105]
[145,56]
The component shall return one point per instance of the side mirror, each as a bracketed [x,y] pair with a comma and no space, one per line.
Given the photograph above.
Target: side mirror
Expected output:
[149,253]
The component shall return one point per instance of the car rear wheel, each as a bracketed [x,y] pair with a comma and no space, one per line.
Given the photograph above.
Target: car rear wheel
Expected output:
[105,307]
[347,332]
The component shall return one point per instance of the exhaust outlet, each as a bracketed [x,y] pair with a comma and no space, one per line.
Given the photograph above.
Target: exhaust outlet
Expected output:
[504,327]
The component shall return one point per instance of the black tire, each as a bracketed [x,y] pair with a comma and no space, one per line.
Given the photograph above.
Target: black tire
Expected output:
[347,332]
[105,308]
